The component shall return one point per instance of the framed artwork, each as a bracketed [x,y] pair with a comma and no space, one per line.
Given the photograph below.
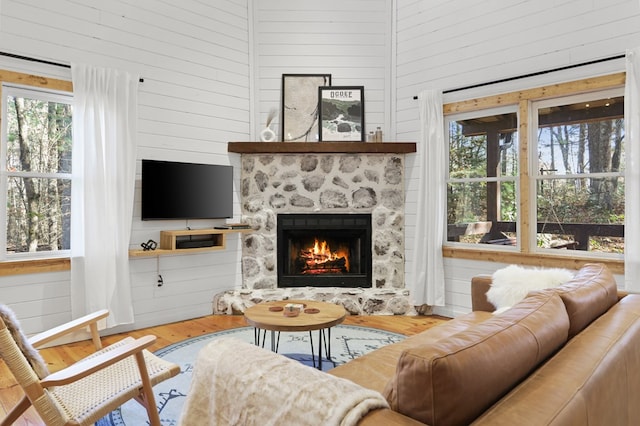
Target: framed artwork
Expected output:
[299,118]
[341,113]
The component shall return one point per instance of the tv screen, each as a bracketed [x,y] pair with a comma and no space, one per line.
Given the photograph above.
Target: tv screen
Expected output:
[172,190]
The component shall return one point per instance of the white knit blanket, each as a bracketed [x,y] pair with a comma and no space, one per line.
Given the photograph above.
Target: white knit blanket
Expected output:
[237,383]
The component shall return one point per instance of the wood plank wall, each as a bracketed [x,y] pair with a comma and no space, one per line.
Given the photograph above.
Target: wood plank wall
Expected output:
[194,58]
[349,39]
[448,44]
[212,71]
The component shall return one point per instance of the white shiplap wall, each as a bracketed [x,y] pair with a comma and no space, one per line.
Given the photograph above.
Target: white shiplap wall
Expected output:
[213,70]
[349,39]
[447,44]
[194,58]
[210,70]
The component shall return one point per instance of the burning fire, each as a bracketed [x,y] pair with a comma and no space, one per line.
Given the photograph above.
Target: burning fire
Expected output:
[320,259]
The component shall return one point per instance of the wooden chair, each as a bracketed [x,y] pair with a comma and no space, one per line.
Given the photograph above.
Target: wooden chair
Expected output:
[91,388]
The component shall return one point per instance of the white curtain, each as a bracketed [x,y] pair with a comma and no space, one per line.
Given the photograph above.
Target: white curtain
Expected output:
[428,267]
[104,162]
[632,172]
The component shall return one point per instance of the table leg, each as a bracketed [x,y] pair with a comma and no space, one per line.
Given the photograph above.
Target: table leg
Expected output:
[275,342]
[313,356]
[256,336]
[320,333]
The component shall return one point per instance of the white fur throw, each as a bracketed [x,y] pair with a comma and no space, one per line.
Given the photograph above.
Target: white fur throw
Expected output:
[29,352]
[512,284]
[237,383]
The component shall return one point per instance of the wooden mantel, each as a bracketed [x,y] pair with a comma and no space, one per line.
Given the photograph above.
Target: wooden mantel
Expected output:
[321,147]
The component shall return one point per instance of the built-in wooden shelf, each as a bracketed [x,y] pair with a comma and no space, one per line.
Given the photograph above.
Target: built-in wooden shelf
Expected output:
[321,147]
[170,242]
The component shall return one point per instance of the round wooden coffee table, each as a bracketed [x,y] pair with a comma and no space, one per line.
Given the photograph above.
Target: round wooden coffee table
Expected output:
[319,316]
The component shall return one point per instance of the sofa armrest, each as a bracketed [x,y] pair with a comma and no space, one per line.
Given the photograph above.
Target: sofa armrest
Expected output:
[480,284]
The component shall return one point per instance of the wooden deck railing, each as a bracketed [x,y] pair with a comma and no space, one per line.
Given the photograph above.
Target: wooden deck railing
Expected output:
[579,232]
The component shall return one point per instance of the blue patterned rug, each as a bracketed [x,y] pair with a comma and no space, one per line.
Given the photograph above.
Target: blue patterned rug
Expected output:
[347,342]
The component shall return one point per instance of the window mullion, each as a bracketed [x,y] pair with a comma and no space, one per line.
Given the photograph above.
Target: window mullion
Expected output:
[526,183]
[37,175]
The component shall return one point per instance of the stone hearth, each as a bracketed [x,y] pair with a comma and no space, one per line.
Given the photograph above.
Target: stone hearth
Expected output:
[277,183]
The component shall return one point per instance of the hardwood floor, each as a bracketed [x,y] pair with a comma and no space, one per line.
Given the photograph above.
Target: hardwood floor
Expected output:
[58,357]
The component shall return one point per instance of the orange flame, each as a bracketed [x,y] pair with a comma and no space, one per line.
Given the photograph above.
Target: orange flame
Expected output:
[321,253]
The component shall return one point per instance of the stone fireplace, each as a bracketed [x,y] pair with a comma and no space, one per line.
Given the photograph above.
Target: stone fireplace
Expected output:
[326,190]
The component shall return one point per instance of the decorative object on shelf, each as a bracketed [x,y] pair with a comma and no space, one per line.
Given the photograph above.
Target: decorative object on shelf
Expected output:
[149,245]
[378,135]
[341,113]
[299,117]
[268,135]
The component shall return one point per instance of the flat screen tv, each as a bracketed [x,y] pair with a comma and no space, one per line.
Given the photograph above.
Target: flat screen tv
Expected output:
[173,190]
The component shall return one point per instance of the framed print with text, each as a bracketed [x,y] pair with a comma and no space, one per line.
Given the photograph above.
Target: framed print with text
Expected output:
[341,113]
[299,117]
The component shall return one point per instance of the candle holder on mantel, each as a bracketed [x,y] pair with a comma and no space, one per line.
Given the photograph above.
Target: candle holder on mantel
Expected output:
[375,136]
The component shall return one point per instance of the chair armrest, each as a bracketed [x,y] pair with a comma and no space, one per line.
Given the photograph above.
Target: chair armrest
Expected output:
[480,284]
[88,366]
[90,320]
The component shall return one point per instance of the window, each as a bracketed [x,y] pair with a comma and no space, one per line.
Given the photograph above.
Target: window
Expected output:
[36,172]
[580,172]
[538,172]
[483,172]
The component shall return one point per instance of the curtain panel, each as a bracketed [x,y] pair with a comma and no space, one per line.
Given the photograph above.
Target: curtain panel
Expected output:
[427,272]
[632,171]
[104,163]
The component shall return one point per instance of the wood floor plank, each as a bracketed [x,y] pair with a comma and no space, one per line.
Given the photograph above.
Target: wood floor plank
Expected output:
[58,357]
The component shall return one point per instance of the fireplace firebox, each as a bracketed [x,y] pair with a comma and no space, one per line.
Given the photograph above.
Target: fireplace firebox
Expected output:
[324,250]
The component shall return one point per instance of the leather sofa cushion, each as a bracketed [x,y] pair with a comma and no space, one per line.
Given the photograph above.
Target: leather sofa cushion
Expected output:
[454,380]
[375,369]
[590,293]
[593,380]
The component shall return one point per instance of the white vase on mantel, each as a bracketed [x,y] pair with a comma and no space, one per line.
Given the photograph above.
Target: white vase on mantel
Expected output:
[267,135]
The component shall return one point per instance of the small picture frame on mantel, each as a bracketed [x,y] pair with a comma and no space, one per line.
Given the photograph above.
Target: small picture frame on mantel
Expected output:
[341,113]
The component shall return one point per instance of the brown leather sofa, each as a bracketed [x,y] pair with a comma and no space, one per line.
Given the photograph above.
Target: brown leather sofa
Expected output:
[563,356]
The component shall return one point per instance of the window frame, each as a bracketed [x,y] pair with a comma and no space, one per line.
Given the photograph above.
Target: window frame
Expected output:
[34,264]
[9,89]
[506,109]
[536,177]
[524,254]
